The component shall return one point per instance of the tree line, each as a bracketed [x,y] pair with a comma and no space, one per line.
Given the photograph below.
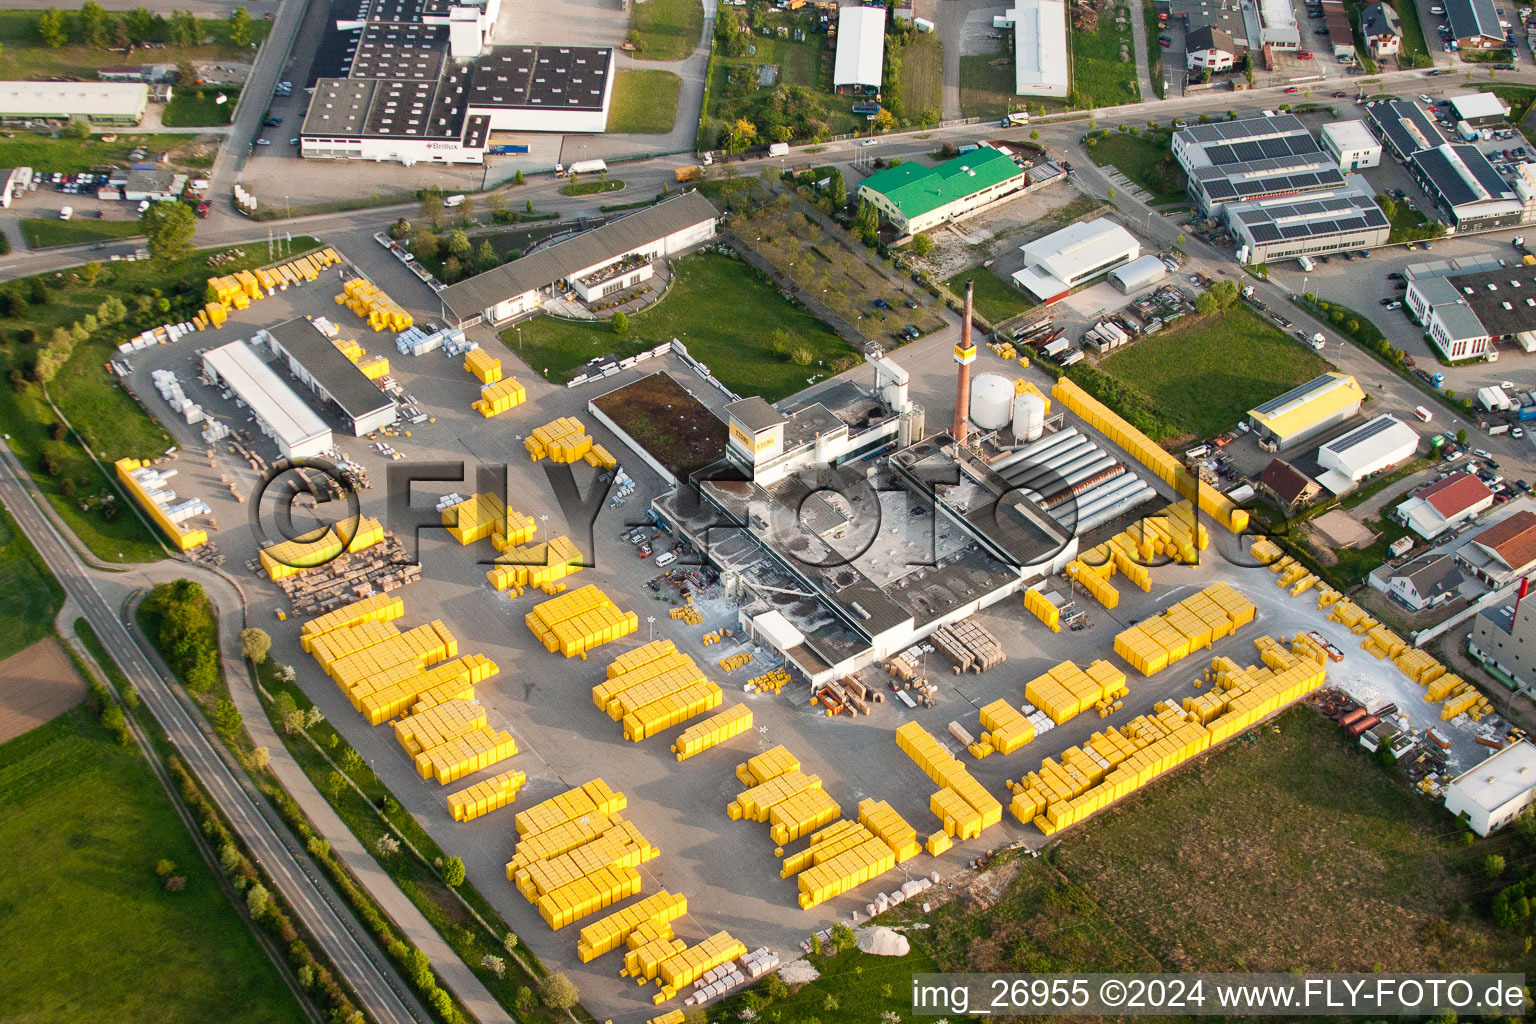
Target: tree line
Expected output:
[96,27]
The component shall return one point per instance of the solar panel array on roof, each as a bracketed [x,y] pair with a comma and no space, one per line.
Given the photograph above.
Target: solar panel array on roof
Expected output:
[1250,150]
[1361,434]
[1247,128]
[1405,126]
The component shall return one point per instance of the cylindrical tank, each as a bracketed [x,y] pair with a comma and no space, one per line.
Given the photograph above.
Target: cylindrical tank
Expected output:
[991,401]
[1028,416]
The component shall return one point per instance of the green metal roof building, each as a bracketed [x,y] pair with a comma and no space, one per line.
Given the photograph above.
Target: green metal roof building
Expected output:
[914,197]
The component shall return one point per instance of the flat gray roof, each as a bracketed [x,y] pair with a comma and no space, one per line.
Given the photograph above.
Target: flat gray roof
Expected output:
[343,381]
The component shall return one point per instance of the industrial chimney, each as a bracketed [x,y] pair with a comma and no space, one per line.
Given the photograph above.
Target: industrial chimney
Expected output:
[965,355]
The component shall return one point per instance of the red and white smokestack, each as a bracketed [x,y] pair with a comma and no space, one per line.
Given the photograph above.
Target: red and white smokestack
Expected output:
[965,355]
[1525,585]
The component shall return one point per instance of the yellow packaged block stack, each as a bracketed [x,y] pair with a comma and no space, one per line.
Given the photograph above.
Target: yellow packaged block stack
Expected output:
[378,608]
[670,1017]
[562,440]
[1006,728]
[689,965]
[1265,551]
[648,947]
[1192,624]
[848,870]
[622,846]
[576,622]
[802,813]
[348,347]
[485,367]
[436,726]
[422,646]
[340,643]
[609,933]
[587,895]
[1065,691]
[594,797]
[484,797]
[408,688]
[891,828]
[960,818]
[374,367]
[513,530]
[499,397]
[557,839]
[755,804]
[288,557]
[948,773]
[601,458]
[770,764]
[534,565]
[475,517]
[840,836]
[642,655]
[1143,450]
[365,299]
[644,683]
[1095,581]
[465,755]
[1036,604]
[713,731]
[1420,666]
[670,710]
[1381,643]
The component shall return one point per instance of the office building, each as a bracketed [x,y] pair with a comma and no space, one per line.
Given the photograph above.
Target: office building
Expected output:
[1250,159]
[1351,145]
[1306,225]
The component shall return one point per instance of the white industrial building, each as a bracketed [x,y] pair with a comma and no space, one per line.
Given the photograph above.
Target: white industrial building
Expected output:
[1479,109]
[1073,256]
[281,414]
[1285,227]
[313,359]
[1140,273]
[1039,47]
[1273,24]
[1489,796]
[1370,448]
[1465,305]
[515,288]
[118,104]
[1351,145]
[1251,159]
[860,49]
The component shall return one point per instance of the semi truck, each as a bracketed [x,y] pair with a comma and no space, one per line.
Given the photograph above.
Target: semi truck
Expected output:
[582,167]
[694,173]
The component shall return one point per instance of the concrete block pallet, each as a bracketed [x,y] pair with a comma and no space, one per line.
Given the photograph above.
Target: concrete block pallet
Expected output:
[484,797]
[579,621]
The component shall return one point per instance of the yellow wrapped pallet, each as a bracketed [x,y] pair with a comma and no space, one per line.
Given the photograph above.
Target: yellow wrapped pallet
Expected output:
[586,896]
[770,764]
[438,725]
[670,1017]
[713,731]
[594,797]
[620,847]
[892,829]
[378,608]
[465,755]
[1036,604]
[499,397]
[687,966]
[755,804]
[558,839]
[1098,588]
[484,797]
[642,655]
[644,959]
[671,709]
[1006,727]
[847,870]
[535,565]
[801,814]
[613,931]
[483,365]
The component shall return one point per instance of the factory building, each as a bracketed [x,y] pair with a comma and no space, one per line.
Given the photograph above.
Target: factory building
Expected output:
[1459,178]
[860,60]
[280,414]
[1489,796]
[1074,256]
[109,104]
[1351,145]
[1444,505]
[1504,640]
[416,81]
[1479,109]
[515,288]
[1250,159]
[1373,447]
[326,371]
[1475,24]
[915,198]
[1039,47]
[1318,222]
[1404,127]
[1143,272]
[1464,312]
[1306,411]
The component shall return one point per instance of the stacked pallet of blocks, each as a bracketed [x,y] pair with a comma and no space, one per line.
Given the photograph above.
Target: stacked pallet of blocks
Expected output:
[488,515]
[485,367]
[653,688]
[484,797]
[1065,691]
[1193,624]
[962,803]
[366,300]
[1041,608]
[562,440]
[845,854]
[240,289]
[499,397]
[1116,762]
[791,802]
[1143,450]
[1005,728]
[289,557]
[713,731]
[577,622]
[600,457]
[535,565]
[451,740]
[575,855]
[1347,613]
[651,916]
[1267,552]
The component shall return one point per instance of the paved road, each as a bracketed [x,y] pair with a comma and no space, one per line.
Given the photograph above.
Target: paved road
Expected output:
[258,89]
[342,939]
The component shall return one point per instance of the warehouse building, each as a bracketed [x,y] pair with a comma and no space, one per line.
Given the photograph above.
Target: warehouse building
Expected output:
[1381,30]
[1250,159]
[1504,640]
[1489,796]
[1318,222]
[327,372]
[1459,178]
[515,288]
[1306,411]
[1140,273]
[1039,47]
[1464,313]
[1373,447]
[109,104]
[1479,109]
[915,198]
[860,61]
[280,414]
[1475,24]
[1351,145]
[1274,23]
[1404,127]
[1444,505]
[1074,256]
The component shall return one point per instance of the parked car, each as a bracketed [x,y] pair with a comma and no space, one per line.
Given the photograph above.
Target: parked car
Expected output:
[1303,54]
[263,142]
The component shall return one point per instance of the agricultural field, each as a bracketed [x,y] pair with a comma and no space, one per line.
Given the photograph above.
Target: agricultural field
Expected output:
[667,29]
[1143,158]
[702,285]
[1205,373]
[84,822]
[45,232]
[1099,77]
[24,55]
[47,155]
[995,298]
[29,595]
[199,107]
[644,103]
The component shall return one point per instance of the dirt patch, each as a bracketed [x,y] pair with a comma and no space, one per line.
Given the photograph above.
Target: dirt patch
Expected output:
[670,424]
[37,685]
[1341,530]
[997,232]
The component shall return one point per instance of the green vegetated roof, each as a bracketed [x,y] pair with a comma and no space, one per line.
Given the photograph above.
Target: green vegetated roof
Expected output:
[915,189]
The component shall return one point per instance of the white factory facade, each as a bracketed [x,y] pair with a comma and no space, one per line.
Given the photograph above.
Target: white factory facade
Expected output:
[1074,256]
[1039,46]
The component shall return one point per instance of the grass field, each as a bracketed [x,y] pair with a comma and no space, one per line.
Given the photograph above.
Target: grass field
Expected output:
[23,54]
[199,107]
[1204,374]
[922,74]
[84,822]
[109,420]
[644,103]
[996,299]
[29,595]
[702,286]
[986,90]
[1099,77]
[669,29]
[43,232]
[801,98]
[1144,160]
[47,155]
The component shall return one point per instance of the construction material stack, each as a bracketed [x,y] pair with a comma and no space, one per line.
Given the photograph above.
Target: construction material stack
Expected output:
[962,803]
[320,547]
[1193,624]
[1064,691]
[1172,534]
[562,440]
[968,647]
[1116,762]
[576,622]
[647,918]
[488,515]
[791,802]
[1006,728]
[485,367]
[378,608]
[713,731]
[534,565]
[496,398]
[143,483]
[653,688]
[1038,605]
[481,798]
[846,854]
[366,300]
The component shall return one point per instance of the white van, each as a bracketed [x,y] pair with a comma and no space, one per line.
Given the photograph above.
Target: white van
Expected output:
[66,213]
[1305,262]
[665,559]
[1423,414]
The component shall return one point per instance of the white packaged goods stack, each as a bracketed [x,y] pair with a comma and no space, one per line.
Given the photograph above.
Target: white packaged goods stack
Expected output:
[325,327]
[214,431]
[455,344]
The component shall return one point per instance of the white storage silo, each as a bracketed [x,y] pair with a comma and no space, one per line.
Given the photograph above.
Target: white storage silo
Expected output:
[991,401]
[1028,416]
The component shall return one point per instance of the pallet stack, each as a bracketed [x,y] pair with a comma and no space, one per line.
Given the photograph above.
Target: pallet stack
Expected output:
[488,515]
[484,797]
[962,803]
[485,367]
[791,802]
[575,623]
[1038,605]
[534,565]
[290,557]
[653,688]
[1064,691]
[1194,623]
[652,915]
[495,399]
[366,300]
[845,854]
[968,647]
[713,731]
[562,440]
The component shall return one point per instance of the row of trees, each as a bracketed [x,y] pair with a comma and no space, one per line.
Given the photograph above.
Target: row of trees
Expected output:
[94,26]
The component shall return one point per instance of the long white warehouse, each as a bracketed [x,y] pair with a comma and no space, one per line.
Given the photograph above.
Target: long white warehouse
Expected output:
[1375,445]
[282,415]
[1039,47]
